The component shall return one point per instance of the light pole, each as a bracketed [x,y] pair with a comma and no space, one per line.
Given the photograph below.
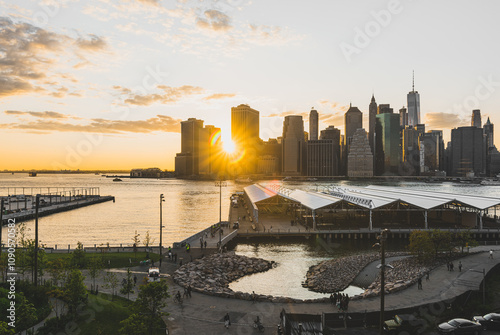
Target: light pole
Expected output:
[36,239]
[161,223]
[382,237]
[484,283]
[220,184]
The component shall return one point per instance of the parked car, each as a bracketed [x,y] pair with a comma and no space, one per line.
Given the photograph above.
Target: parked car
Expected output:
[489,321]
[407,323]
[460,326]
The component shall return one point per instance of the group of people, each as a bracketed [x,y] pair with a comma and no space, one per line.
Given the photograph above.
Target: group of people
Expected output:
[341,300]
[172,256]
[203,243]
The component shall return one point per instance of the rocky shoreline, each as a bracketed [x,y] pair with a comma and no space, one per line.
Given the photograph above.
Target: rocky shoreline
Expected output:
[212,274]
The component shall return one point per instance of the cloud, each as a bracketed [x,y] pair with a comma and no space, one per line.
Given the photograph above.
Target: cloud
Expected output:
[150,2]
[160,123]
[167,95]
[327,118]
[214,20]
[30,55]
[445,120]
[94,43]
[217,96]
[45,114]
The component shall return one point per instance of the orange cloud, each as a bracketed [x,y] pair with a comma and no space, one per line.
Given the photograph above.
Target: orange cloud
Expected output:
[219,96]
[168,95]
[214,20]
[445,120]
[94,43]
[160,123]
[46,114]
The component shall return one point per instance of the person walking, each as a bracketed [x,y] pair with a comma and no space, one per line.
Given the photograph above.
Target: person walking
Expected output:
[459,266]
[427,276]
[254,297]
[227,320]
[491,253]
[419,282]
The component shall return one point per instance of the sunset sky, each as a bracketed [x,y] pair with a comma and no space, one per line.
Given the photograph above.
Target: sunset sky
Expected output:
[103,84]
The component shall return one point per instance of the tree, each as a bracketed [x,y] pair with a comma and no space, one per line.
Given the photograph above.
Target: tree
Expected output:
[152,296]
[464,239]
[127,284]
[111,282]
[133,325]
[25,312]
[440,239]
[78,256]
[95,267]
[136,242]
[56,294]
[421,245]
[6,329]
[75,291]
[147,242]
[57,269]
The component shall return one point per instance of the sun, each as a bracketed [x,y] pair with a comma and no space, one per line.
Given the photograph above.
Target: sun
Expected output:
[229,146]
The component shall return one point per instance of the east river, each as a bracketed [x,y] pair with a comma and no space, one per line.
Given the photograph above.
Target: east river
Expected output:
[189,207]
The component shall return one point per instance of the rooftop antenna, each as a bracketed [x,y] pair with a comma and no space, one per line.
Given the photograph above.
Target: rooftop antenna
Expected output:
[413,81]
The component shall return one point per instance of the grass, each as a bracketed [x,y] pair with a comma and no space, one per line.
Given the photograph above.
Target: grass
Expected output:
[111,260]
[101,316]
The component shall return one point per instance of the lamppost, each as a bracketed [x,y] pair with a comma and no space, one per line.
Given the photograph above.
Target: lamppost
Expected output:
[382,238]
[484,283]
[161,224]
[220,184]
[36,240]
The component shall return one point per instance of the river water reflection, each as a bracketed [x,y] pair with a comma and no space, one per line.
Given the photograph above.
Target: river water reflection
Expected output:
[293,260]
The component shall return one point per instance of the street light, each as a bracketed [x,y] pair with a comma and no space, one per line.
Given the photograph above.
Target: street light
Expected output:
[484,283]
[221,184]
[161,225]
[382,237]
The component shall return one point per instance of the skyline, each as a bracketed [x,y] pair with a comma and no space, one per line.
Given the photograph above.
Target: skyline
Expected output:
[104,85]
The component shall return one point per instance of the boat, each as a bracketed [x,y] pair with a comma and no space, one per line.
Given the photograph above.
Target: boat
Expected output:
[490,182]
[32,174]
[117,179]
[153,274]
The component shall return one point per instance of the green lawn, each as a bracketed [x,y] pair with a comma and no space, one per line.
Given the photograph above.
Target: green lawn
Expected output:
[101,316]
[111,260]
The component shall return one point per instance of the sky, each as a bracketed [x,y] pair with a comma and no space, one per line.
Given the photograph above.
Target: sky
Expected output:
[103,84]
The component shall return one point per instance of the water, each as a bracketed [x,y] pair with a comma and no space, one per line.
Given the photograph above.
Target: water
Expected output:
[293,260]
[189,207]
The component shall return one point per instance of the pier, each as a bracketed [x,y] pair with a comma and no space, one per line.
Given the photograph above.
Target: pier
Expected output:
[20,202]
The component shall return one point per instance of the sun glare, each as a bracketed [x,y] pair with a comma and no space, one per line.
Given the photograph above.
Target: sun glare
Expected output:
[229,146]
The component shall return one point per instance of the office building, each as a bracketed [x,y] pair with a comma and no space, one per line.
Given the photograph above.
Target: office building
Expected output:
[489,133]
[360,157]
[323,155]
[293,145]
[388,141]
[413,103]
[410,152]
[245,135]
[313,125]
[475,120]
[372,114]
[467,152]
[353,120]
[403,117]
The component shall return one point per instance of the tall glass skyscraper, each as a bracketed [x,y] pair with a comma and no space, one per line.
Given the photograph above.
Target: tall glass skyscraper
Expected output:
[413,99]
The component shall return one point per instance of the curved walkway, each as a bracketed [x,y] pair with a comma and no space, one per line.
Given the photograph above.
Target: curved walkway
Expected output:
[207,312]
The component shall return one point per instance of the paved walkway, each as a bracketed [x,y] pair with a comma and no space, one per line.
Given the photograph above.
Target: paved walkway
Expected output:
[206,312]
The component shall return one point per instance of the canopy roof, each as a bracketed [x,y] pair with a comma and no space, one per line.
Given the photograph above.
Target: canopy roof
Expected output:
[371,197]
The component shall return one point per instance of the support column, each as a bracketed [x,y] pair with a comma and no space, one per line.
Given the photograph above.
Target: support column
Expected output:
[314,219]
[426,224]
[481,220]
[371,222]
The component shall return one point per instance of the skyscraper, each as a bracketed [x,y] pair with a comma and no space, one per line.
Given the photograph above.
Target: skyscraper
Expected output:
[197,152]
[467,151]
[389,140]
[245,135]
[360,157]
[413,102]
[403,117]
[372,114]
[313,125]
[244,125]
[353,120]
[488,131]
[475,120]
[293,145]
